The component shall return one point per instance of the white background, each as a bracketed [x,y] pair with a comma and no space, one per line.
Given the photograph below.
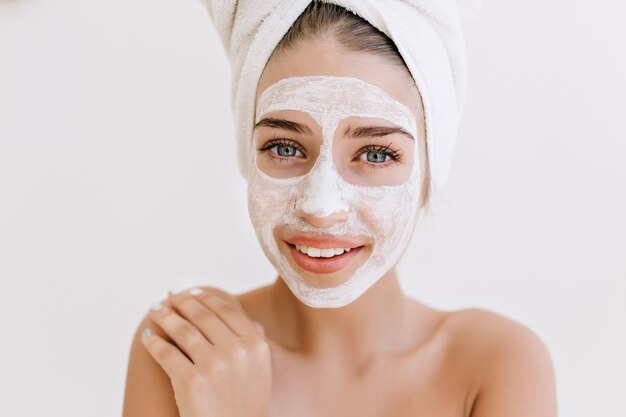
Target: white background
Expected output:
[118,181]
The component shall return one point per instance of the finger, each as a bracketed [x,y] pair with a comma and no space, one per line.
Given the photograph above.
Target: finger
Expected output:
[229,313]
[260,328]
[225,295]
[205,319]
[172,360]
[186,336]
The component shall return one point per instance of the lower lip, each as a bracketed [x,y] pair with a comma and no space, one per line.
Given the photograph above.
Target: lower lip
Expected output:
[323,265]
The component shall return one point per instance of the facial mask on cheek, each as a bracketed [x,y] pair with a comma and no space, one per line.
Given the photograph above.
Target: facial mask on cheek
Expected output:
[386,214]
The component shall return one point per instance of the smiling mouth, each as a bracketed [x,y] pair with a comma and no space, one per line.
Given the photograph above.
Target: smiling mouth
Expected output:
[321,253]
[322,260]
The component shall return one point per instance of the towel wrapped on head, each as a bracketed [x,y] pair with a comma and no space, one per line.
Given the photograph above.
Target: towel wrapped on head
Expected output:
[427,33]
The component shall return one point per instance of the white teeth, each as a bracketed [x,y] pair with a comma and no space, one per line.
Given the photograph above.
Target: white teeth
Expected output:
[314,252]
[321,253]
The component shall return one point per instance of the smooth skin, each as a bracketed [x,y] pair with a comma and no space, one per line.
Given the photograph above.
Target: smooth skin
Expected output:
[218,355]
[385,354]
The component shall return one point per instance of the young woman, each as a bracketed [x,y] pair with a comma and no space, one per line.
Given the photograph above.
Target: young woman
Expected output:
[338,175]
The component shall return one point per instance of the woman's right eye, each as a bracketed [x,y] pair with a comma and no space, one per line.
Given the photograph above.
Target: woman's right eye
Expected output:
[286,151]
[282,149]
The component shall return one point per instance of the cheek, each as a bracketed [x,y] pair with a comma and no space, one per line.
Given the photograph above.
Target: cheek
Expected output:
[388,211]
[269,200]
[368,209]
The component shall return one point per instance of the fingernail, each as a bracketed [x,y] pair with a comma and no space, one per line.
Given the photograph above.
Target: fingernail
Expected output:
[195,291]
[176,290]
[147,332]
[156,307]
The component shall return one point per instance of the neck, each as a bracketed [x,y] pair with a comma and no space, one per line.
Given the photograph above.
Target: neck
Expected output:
[376,322]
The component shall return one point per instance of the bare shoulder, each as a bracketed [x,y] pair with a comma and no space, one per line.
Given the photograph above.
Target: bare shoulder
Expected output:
[512,367]
[148,390]
[490,332]
[240,300]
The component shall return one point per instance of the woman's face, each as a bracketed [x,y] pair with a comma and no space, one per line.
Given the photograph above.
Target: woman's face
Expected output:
[336,166]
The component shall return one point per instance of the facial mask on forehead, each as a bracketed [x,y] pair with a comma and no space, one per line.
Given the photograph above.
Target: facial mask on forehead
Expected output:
[384,214]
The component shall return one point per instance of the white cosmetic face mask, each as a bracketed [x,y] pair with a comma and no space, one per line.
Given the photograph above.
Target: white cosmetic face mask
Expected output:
[386,214]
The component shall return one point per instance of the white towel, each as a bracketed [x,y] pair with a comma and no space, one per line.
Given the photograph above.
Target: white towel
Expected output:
[427,33]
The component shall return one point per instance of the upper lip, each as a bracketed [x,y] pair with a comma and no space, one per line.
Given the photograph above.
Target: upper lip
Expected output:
[323,242]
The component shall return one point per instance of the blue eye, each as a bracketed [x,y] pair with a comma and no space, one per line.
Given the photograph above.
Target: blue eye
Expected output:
[284,150]
[377,156]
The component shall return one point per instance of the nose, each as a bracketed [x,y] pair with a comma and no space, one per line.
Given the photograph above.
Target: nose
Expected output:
[326,221]
[323,200]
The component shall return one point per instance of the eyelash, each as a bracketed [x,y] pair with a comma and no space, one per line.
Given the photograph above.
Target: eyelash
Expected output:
[394,154]
[276,141]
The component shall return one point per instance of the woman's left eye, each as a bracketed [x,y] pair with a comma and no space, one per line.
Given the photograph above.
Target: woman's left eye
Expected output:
[375,156]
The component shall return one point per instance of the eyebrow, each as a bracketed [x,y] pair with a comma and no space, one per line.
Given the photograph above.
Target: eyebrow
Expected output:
[283,124]
[350,131]
[375,131]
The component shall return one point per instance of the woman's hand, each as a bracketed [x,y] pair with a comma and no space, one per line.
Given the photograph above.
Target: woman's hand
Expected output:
[220,365]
